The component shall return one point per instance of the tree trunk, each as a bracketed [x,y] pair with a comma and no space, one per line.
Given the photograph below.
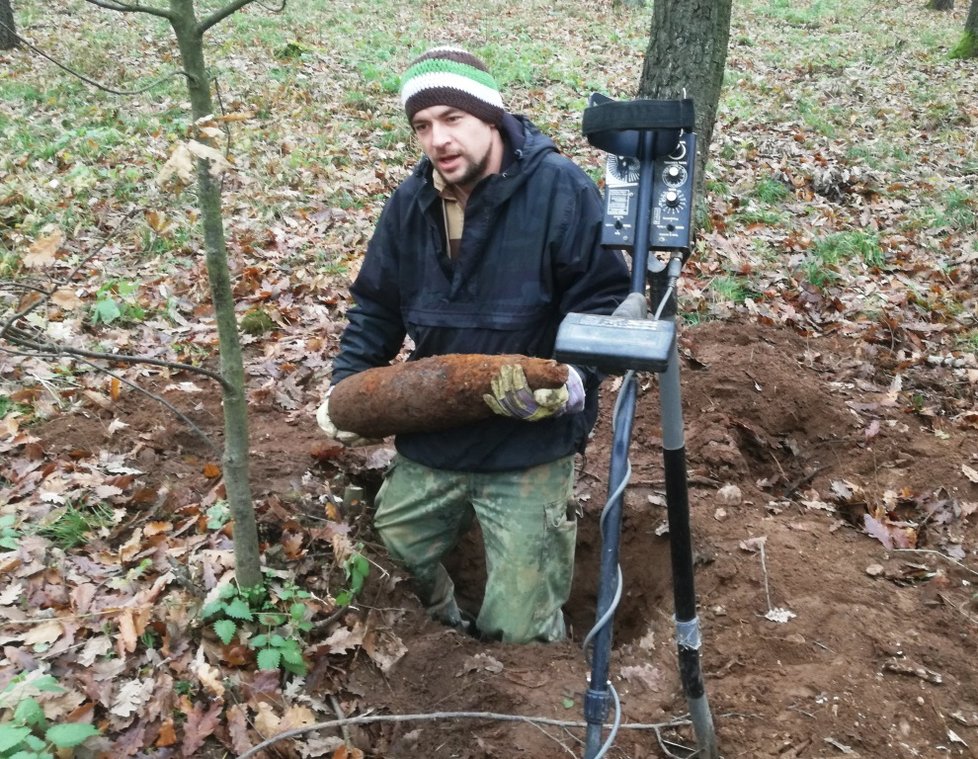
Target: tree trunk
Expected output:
[687,53]
[236,482]
[968,46]
[8,30]
[941,5]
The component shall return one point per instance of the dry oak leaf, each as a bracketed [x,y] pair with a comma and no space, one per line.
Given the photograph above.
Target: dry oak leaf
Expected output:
[43,251]
[131,696]
[199,726]
[237,718]
[209,675]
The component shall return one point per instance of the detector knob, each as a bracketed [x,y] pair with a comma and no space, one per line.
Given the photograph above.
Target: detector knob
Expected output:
[672,198]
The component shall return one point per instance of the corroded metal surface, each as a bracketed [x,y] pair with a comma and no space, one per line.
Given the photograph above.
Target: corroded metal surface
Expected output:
[428,394]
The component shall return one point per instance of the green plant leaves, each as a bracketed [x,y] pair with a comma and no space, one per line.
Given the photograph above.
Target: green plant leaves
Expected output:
[105,311]
[29,712]
[238,609]
[225,629]
[12,735]
[269,658]
[70,734]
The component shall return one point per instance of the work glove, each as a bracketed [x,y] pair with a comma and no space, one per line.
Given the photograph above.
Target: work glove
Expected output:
[345,437]
[512,396]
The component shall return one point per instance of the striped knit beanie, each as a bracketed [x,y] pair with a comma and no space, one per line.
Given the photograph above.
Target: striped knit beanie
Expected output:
[451,76]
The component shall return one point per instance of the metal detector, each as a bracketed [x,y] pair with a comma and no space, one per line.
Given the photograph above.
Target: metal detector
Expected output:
[648,207]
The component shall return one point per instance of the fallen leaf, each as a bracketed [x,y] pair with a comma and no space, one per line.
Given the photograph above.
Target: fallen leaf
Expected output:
[210,676]
[43,634]
[970,473]
[167,736]
[66,299]
[344,639]
[42,252]
[128,637]
[200,725]
[131,696]
[237,718]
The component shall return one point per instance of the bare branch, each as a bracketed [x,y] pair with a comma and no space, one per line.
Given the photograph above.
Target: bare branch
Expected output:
[84,78]
[197,430]
[112,5]
[17,337]
[219,15]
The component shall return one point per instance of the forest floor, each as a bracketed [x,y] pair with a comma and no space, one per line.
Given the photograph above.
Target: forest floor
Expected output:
[811,491]
[829,351]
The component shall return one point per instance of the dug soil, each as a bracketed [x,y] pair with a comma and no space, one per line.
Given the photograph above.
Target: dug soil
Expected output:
[832,490]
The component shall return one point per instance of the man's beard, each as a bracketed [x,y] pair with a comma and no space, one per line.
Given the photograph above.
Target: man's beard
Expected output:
[473,173]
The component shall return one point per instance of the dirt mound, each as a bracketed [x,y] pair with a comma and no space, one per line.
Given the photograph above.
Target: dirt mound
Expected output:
[875,656]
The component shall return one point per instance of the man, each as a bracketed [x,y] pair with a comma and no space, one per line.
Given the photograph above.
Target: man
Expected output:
[484,248]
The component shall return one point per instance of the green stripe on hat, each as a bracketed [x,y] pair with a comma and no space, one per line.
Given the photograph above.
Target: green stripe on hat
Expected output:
[441,65]
[454,77]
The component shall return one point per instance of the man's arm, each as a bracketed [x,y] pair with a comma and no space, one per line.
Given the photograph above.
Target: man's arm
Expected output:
[375,330]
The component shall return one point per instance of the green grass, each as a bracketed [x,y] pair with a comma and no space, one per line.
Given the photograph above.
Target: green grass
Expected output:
[968,340]
[954,211]
[848,246]
[754,215]
[729,289]
[808,85]
[74,525]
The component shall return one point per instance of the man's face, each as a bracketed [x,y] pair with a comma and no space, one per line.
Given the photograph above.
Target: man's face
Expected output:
[462,147]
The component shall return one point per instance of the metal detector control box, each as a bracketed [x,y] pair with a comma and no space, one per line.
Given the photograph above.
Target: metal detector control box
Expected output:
[672,199]
[615,344]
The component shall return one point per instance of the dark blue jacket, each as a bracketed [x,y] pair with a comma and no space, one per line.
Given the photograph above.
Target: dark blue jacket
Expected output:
[529,255]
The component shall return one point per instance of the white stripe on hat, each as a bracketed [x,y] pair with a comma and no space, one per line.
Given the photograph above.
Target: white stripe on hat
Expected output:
[452,81]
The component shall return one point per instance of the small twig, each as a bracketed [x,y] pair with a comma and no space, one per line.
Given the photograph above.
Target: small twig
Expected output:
[344,727]
[767,589]
[554,739]
[163,401]
[662,744]
[49,350]
[958,608]
[82,77]
[936,553]
[803,481]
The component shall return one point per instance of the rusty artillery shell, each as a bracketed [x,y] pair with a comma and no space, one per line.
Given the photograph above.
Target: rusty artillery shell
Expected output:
[429,394]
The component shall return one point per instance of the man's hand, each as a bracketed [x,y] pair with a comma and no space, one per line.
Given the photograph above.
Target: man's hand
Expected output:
[512,396]
[350,439]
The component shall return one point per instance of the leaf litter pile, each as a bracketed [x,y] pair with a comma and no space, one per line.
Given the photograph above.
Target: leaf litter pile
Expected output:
[829,376]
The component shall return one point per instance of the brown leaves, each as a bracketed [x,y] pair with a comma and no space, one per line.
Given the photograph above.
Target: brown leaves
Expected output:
[43,251]
[904,519]
[200,725]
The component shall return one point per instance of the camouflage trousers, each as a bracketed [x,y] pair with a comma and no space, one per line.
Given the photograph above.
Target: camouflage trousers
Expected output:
[529,528]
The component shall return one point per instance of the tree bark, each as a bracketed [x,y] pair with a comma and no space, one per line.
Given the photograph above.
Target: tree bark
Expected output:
[8,30]
[189,34]
[968,46]
[687,52]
